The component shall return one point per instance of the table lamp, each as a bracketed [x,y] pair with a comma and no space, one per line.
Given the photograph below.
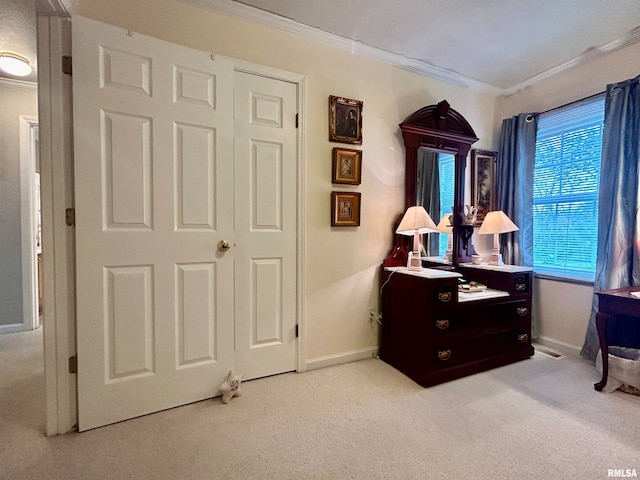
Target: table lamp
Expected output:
[497,222]
[445,226]
[416,221]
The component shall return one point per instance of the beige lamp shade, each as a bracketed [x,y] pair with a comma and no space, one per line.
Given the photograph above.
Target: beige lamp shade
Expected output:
[445,225]
[416,220]
[497,222]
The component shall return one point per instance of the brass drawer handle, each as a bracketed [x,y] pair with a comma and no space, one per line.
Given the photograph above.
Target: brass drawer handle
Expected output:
[522,311]
[444,354]
[444,297]
[523,337]
[442,324]
[521,287]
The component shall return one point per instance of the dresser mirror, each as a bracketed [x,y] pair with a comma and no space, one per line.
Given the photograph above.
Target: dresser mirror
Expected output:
[437,140]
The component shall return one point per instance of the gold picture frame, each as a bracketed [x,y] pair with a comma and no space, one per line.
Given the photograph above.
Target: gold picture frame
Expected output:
[345,209]
[483,182]
[346,166]
[345,120]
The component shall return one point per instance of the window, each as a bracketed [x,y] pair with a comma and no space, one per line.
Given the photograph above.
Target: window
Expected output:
[446,171]
[565,190]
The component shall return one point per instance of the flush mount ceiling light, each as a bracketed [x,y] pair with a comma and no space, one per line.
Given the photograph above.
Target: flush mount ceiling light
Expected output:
[14,64]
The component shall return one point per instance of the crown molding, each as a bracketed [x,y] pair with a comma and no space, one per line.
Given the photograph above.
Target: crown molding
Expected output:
[53,8]
[252,14]
[20,84]
[587,56]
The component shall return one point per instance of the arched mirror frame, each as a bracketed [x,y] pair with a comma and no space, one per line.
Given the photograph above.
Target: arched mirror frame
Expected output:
[439,128]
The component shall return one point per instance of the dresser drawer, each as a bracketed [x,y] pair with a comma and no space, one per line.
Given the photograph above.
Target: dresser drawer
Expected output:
[448,321]
[454,350]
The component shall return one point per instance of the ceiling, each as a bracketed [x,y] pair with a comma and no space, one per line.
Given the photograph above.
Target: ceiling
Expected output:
[18,33]
[500,44]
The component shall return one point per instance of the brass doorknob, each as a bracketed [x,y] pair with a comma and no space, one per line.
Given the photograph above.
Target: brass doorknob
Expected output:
[223,246]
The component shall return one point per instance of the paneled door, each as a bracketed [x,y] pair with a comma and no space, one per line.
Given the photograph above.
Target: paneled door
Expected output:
[157,188]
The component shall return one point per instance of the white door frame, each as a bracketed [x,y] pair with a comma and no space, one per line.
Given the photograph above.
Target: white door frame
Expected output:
[28,135]
[57,194]
[56,186]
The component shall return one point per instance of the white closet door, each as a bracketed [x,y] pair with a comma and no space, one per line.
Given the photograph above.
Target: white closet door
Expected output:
[266,199]
[153,137]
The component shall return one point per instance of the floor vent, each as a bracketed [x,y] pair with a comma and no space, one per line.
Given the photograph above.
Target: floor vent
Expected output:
[548,351]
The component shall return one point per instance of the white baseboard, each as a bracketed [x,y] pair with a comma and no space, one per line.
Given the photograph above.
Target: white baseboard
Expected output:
[561,347]
[339,358]
[12,328]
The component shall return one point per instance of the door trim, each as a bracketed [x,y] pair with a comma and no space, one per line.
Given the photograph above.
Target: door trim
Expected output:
[56,187]
[28,128]
[300,82]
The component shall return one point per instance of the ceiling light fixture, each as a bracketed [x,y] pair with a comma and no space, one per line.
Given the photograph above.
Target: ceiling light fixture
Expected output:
[14,64]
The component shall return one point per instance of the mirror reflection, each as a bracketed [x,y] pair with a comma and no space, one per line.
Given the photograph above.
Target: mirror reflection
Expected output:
[435,184]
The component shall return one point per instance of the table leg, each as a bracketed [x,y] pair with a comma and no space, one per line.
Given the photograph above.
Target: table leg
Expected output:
[601,321]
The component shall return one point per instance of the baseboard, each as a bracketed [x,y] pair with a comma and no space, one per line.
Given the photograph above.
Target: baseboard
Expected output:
[339,358]
[561,347]
[12,328]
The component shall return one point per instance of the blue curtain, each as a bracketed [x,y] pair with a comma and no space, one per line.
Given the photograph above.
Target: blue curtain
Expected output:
[514,181]
[514,188]
[618,260]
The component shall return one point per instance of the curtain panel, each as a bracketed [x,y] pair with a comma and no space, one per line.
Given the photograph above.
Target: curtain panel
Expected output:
[618,259]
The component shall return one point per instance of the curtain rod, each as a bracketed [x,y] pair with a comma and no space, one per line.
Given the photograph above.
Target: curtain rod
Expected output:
[575,101]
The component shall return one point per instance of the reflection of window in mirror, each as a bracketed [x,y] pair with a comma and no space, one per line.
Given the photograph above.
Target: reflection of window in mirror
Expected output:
[435,186]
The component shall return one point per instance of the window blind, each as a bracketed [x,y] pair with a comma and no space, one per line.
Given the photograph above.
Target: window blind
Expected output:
[446,167]
[565,193]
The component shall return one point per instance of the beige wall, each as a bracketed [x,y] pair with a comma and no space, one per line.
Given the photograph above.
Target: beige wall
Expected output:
[563,308]
[341,263]
[15,101]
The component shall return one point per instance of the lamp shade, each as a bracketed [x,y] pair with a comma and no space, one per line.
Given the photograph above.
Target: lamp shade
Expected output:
[416,220]
[445,225]
[14,64]
[497,222]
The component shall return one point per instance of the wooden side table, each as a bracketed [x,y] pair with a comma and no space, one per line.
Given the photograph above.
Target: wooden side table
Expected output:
[611,303]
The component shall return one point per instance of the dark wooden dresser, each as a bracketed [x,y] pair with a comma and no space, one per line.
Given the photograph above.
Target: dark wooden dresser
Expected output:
[434,333]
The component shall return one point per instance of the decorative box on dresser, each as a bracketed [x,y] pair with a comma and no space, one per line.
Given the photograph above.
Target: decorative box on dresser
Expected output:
[433,333]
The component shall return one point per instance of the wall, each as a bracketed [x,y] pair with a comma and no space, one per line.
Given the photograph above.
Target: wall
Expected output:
[341,263]
[563,309]
[15,101]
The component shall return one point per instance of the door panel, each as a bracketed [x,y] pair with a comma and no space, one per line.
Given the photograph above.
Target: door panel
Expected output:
[154,297]
[265,152]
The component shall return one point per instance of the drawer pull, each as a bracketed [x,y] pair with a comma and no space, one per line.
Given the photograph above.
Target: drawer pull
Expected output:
[444,354]
[522,311]
[523,337]
[444,297]
[521,287]
[442,324]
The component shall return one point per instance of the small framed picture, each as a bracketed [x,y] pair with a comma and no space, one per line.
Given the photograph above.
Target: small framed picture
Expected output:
[483,182]
[345,209]
[346,166]
[345,120]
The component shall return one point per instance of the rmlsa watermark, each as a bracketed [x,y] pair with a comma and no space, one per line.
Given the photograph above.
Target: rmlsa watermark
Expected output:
[622,473]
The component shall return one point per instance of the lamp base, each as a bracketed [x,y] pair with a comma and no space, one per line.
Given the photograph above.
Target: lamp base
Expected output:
[414,263]
[496,259]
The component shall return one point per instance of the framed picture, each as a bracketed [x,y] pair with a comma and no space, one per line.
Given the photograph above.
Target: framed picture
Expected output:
[346,166]
[345,120]
[483,182]
[345,209]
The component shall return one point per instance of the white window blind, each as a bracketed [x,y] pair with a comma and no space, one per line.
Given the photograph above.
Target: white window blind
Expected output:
[446,167]
[565,194]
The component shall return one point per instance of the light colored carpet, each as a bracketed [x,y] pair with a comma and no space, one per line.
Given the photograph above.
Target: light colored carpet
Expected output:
[537,419]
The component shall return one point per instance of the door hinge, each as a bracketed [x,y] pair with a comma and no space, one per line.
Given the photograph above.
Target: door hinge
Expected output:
[67,67]
[73,364]
[70,216]
[297,330]
[297,120]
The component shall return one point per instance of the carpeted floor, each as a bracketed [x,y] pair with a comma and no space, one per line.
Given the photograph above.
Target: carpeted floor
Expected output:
[537,419]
